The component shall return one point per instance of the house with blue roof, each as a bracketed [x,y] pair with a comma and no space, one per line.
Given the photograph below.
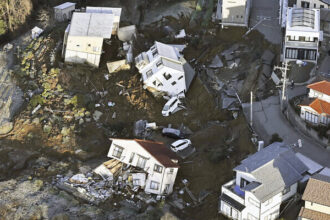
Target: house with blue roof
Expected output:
[263,181]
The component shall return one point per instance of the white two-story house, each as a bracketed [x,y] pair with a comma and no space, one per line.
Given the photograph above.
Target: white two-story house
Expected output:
[302,35]
[318,110]
[313,4]
[154,158]
[317,199]
[164,71]
[234,12]
[263,181]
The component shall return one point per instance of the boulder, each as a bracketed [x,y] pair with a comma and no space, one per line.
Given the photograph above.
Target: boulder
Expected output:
[6,127]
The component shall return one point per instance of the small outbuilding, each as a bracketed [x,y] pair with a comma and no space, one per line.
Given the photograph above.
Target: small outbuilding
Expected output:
[64,11]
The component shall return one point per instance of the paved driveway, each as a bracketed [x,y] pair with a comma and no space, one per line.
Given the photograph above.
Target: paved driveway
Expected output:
[270,28]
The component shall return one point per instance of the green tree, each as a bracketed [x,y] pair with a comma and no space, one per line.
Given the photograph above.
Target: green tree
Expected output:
[3,28]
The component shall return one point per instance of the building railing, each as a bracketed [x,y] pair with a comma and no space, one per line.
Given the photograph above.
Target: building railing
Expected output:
[301,44]
[228,189]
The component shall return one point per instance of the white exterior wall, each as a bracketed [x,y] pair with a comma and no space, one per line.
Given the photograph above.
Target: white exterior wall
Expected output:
[84,50]
[252,210]
[64,14]
[315,94]
[312,4]
[130,146]
[157,76]
[246,176]
[317,207]
[235,12]
[316,118]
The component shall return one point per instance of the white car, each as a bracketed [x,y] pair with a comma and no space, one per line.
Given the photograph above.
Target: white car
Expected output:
[180,145]
[172,105]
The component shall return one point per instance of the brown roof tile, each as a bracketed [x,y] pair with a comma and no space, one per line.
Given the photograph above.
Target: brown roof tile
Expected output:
[158,150]
[320,106]
[313,215]
[322,86]
[318,190]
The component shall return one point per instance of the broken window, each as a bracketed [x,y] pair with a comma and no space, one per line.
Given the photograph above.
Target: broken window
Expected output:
[173,83]
[149,73]
[159,63]
[136,182]
[154,52]
[117,151]
[167,76]
[167,188]
[131,158]
[158,168]
[141,162]
[154,185]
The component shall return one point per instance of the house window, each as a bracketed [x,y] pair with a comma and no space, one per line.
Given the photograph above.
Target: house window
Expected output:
[301,38]
[77,45]
[167,76]
[311,117]
[171,171]
[173,83]
[286,190]
[131,157]
[154,185]
[321,6]
[158,168]
[304,4]
[159,63]
[89,45]
[243,183]
[154,52]
[314,5]
[117,151]
[180,77]
[149,73]
[167,188]
[141,162]
[136,182]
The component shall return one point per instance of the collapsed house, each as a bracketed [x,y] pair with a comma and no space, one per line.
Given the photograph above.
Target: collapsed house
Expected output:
[263,181]
[302,35]
[83,38]
[164,71]
[156,165]
[63,12]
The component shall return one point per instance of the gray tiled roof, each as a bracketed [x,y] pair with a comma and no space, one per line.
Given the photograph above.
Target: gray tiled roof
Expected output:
[326,1]
[275,168]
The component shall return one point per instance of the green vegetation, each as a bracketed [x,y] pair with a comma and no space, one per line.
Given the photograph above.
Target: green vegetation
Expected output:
[3,27]
[276,138]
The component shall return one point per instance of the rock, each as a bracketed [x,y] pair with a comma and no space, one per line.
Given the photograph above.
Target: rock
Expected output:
[97,115]
[216,62]
[81,121]
[6,127]
[61,216]
[65,131]
[47,128]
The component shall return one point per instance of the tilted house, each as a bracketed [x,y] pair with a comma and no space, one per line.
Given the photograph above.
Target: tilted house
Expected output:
[83,38]
[233,12]
[63,12]
[317,199]
[302,35]
[164,70]
[263,181]
[313,4]
[154,158]
[318,111]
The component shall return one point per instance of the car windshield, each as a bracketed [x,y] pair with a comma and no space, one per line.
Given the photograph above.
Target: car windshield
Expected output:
[183,143]
[166,107]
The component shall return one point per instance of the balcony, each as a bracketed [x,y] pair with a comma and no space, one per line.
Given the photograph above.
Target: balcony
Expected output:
[233,191]
[301,44]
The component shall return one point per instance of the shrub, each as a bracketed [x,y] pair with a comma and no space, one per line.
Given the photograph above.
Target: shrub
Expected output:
[275,138]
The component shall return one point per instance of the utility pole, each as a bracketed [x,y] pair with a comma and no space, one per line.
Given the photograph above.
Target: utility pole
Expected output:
[251,108]
[284,69]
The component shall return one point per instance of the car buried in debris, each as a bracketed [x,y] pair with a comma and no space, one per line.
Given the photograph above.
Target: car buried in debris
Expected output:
[172,105]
